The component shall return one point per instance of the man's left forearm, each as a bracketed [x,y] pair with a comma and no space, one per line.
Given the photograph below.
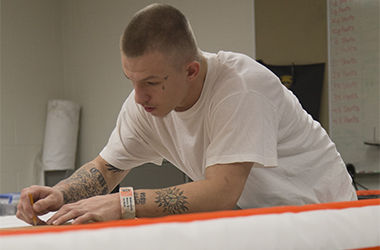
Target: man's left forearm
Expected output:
[219,191]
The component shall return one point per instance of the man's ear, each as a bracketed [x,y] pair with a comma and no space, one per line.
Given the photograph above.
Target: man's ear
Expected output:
[192,70]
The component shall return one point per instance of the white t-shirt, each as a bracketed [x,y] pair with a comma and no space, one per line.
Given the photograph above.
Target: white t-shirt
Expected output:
[244,114]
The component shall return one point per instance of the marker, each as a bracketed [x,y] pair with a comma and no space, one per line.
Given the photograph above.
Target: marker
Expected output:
[34,216]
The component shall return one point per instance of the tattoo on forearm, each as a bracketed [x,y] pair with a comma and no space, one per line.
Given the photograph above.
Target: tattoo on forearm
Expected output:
[113,169]
[172,200]
[84,184]
[140,198]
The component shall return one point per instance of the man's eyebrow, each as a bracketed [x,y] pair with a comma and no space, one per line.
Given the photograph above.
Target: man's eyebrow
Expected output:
[148,78]
[126,76]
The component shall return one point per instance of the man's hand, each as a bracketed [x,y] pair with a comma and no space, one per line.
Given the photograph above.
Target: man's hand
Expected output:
[46,199]
[97,208]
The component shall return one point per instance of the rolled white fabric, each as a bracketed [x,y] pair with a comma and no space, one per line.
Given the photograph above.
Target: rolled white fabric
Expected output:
[61,133]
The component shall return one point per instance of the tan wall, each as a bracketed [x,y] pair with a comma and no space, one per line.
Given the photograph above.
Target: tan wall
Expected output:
[293,31]
[31,74]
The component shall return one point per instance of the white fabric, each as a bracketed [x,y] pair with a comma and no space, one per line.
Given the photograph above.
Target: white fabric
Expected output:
[350,228]
[11,221]
[61,133]
[244,114]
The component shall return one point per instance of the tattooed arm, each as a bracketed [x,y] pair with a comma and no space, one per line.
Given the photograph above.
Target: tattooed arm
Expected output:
[91,180]
[94,178]
[220,190]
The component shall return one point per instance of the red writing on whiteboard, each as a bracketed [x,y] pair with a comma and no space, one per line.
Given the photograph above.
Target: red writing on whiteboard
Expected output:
[348,40]
[336,74]
[344,85]
[344,1]
[344,73]
[344,9]
[343,29]
[351,119]
[337,97]
[340,2]
[349,85]
[347,28]
[342,19]
[352,96]
[352,108]
[347,18]
[345,97]
[346,120]
[344,61]
[346,109]
[337,110]
[350,73]
[348,49]
[348,61]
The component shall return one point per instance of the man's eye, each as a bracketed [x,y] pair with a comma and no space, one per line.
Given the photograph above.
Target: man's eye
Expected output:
[152,83]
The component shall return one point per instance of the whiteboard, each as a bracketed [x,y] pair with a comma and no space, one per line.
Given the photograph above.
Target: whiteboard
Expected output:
[354,81]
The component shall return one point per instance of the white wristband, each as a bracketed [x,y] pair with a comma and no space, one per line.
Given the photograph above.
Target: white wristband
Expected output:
[127,202]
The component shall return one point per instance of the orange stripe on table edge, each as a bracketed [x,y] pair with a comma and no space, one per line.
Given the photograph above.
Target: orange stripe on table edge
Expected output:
[192,217]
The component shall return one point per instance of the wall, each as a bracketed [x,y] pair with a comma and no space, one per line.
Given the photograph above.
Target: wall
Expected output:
[70,49]
[31,73]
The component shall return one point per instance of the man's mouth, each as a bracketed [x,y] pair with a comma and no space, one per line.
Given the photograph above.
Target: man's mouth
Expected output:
[148,109]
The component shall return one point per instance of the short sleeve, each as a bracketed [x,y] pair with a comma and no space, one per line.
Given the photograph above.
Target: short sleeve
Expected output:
[127,146]
[243,128]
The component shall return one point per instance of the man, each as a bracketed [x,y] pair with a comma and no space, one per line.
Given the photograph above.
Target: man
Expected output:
[223,119]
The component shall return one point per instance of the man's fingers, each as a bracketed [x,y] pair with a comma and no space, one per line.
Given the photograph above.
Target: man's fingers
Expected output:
[40,222]
[86,218]
[24,210]
[74,211]
[22,216]
[45,205]
[58,214]
[45,199]
[65,214]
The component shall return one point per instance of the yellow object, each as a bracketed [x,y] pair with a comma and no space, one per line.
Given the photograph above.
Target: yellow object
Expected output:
[287,80]
[34,216]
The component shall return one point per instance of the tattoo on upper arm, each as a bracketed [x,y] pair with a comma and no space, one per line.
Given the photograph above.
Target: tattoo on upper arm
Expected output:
[113,169]
[140,198]
[84,184]
[172,200]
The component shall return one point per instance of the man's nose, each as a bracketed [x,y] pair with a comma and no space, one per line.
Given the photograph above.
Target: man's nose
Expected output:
[141,96]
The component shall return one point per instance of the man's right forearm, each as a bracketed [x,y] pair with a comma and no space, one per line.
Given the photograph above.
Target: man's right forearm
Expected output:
[86,182]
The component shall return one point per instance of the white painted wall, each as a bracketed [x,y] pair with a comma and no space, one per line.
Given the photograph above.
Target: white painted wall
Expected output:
[70,49]
[31,73]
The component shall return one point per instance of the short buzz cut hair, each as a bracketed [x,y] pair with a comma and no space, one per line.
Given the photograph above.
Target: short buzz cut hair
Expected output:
[162,28]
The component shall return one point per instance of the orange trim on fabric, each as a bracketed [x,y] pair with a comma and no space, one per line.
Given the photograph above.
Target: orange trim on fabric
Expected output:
[192,217]
[367,192]
[368,248]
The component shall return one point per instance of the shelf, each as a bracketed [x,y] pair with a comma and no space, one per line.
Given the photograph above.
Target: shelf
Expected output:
[372,143]
[368,172]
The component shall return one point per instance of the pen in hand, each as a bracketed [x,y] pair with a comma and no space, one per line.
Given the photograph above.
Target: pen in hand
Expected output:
[34,216]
